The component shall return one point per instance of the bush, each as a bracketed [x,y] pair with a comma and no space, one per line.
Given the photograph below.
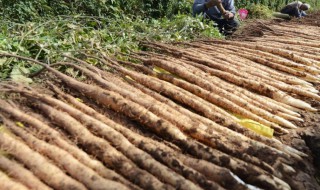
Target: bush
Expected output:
[31,10]
[259,11]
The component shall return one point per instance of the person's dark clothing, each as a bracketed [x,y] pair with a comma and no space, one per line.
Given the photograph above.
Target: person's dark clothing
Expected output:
[293,9]
[226,27]
[213,13]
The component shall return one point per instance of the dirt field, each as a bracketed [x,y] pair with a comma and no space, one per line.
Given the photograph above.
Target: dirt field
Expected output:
[209,114]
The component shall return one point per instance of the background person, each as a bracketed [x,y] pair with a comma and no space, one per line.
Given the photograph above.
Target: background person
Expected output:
[227,23]
[296,9]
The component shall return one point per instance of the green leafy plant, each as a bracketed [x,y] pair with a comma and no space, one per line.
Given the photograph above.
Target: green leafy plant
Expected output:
[32,10]
[46,38]
[259,11]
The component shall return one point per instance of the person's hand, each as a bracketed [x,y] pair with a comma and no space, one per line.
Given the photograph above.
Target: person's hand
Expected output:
[228,15]
[212,3]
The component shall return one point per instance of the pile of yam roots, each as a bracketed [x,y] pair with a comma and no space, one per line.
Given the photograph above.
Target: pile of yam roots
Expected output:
[176,108]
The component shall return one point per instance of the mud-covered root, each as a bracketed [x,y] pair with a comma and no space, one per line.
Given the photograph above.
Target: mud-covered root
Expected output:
[240,107]
[214,98]
[276,84]
[213,172]
[139,141]
[123,144]
[275,182]
[274,59]
[262,88]
[107,152]
[6,183]
[159,150]
[21,174]
[224,102]
[117,139]
[209,139]
[56,139]
[248,172]
[118,103]
[103,150]
[238,130]
[77,170]
[38,164]
[195,133]
[275,51]
[174,163]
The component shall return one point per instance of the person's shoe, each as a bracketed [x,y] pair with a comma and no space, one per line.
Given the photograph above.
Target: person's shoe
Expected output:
[228,32]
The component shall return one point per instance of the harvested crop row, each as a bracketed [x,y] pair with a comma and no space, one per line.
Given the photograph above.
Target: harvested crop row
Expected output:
[271,105]
[21,174]
[296,49]
[298,30]
[224,103]
[77,170]
[192,78]
[103,150]
[303,42]
[272,58]
[251,67]
[216,127]
[241,130]
[38,164]
[280,86]
[45,132]
[171,132]
[145,143]
[234,89]
[107,158]
[8,183]
[301,48]
[120,142]
[266,61]
[292,34]
[216,78]
[176,130]
[189,145]
[287,30]
[283,53]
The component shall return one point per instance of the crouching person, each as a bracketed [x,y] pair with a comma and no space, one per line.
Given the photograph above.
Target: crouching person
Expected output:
[296,9]
[227,22]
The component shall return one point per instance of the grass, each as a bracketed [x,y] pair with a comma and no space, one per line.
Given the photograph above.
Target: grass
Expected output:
[259,11]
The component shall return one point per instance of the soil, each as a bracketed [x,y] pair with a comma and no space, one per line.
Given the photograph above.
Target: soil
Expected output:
[258,28]
[308,137]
